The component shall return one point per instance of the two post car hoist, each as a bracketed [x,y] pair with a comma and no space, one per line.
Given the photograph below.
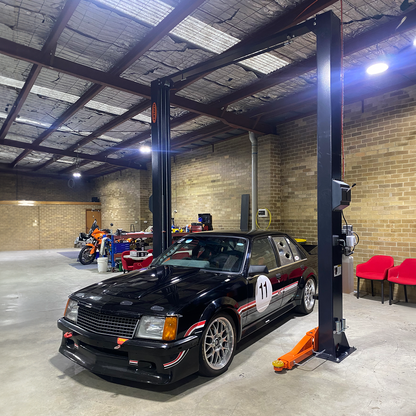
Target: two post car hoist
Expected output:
[333,194]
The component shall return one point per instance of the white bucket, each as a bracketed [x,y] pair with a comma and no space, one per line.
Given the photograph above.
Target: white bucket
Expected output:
[102,263]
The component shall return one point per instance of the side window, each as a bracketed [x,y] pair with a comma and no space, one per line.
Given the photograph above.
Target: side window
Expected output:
[297,253]
[285,254]
[262,254]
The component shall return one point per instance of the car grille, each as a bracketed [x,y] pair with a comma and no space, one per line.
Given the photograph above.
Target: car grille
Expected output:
[118,326]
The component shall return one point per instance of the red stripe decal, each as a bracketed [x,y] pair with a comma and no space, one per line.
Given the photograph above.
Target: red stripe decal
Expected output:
[250,305]
[182,354]
[198,325]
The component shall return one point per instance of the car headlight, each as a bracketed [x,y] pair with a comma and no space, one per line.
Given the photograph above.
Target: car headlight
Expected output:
[71,310]
[157,327]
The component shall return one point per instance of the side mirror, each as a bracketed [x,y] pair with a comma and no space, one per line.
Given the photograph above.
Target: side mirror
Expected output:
[253,270]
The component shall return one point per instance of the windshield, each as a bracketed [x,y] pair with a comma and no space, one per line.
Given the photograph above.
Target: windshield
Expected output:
[93,227]
[221,254]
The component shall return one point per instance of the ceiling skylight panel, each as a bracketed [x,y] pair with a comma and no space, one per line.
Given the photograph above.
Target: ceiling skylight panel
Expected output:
[151,12]
[193,30]
[204,35]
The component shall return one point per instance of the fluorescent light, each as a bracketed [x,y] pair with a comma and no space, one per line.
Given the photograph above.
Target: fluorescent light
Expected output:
[377,68]
[193,31]
[26,203]
[145,149]
[76,174]
[69,162]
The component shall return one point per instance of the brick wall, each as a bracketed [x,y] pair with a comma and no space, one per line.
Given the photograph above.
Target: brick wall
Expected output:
[207,180]
[298,168]
[124,197]
[42,226]
[212,180]
[380,156]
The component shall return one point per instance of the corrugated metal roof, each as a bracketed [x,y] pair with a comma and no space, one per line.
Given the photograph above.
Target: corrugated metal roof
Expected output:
[113,121]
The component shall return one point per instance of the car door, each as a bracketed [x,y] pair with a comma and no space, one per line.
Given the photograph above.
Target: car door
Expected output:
[263,289]
[292,264]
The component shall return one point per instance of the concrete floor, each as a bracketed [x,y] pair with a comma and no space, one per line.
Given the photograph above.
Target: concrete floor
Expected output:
[378,379]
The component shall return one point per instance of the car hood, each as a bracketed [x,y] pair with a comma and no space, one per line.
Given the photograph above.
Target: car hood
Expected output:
[165,289]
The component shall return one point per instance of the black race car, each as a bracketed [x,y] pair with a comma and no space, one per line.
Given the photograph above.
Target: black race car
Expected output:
[187,311]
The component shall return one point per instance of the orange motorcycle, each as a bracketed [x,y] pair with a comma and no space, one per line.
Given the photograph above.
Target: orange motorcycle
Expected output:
[91,249]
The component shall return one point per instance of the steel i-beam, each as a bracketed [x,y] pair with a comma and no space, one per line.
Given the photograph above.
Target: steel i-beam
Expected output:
[161,174]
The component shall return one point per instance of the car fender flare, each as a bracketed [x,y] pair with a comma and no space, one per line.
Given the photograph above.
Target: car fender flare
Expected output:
[225,304]
[307,275]
[301,285]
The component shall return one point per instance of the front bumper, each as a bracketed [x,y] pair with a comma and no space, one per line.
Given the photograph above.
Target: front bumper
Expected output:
[154,362]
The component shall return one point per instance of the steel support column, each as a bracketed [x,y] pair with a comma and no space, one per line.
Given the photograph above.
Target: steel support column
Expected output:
[333,343]
[161,175]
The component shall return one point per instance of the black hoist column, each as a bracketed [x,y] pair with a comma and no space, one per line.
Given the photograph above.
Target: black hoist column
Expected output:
[161,175]
[333,343]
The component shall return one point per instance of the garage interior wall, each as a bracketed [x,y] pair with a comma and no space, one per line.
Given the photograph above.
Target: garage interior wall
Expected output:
[124,197]
[39,212]
[213,178]
[380,157]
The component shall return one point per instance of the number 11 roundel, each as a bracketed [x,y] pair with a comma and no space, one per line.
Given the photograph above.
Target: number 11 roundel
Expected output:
[263,293]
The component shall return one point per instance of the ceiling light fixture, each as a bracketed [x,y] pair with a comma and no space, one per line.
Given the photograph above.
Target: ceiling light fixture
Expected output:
[76,174]
[377,68]
[145,149]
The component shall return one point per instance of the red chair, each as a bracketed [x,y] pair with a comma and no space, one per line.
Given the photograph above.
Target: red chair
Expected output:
[128,264]
[142,264]
[405,275]
[374,269]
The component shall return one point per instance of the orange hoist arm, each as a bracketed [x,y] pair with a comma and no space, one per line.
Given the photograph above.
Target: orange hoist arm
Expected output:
[304,349]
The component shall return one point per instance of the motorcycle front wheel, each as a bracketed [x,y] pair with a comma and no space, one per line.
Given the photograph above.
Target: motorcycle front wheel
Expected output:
[85,257]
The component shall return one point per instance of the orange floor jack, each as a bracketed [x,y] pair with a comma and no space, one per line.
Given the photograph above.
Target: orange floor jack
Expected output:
[304,349]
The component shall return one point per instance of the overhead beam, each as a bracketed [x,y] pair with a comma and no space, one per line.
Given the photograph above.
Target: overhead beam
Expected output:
[44,149]
[27,172]
[153,36]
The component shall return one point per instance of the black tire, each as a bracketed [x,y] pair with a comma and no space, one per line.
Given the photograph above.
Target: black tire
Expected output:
[217,346]
[308,300]
[85,257]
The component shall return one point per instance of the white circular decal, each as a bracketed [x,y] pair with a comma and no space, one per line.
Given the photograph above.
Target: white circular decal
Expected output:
[263,293]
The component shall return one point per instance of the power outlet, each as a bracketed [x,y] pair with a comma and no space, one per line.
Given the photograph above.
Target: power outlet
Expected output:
[262,213]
